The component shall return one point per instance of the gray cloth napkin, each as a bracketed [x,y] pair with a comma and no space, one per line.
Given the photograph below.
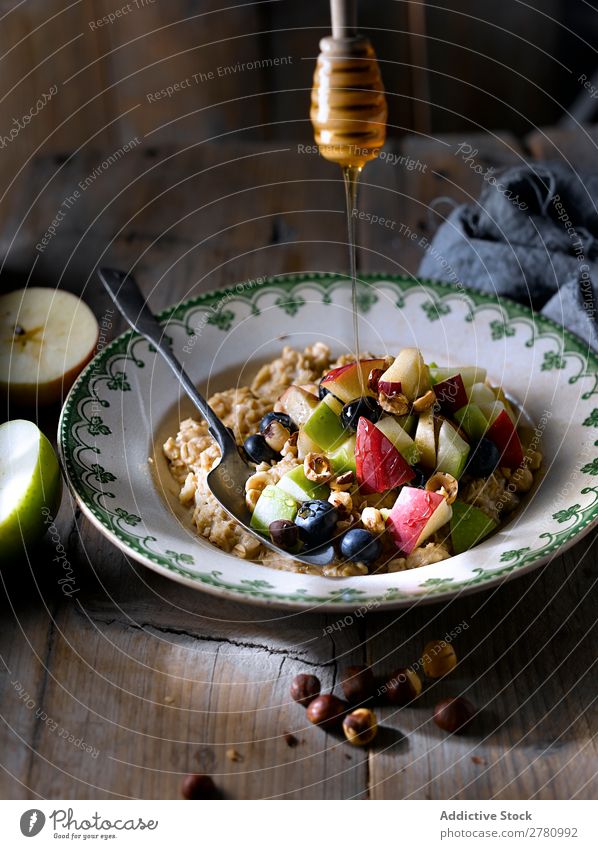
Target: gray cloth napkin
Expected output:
[533,236]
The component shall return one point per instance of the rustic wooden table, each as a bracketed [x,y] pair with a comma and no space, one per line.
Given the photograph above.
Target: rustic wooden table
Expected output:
[159,681]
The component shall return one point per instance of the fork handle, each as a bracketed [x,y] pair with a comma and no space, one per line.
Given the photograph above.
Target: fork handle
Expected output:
[130,302]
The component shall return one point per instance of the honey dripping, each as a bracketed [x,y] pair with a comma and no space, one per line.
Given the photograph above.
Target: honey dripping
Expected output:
[348,114]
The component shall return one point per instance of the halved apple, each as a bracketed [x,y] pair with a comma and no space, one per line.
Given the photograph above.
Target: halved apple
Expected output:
[415,516]
[379,464]
[452,451]
[451,394]
[46,337]
[30,486]
[408,372]
[297,403]
[351,381]
[503,433]
[399,437]
[425,439]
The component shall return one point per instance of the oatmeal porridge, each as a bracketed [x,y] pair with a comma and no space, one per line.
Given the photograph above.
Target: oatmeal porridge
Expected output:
[400,463]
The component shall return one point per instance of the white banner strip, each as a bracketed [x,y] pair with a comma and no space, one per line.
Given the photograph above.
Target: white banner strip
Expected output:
[298,825]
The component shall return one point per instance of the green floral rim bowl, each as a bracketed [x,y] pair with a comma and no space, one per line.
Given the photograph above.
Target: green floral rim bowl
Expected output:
[125,403]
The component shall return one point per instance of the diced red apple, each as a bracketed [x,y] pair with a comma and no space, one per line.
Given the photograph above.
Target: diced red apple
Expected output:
[469,374]
[451,394]
[409,372]
[297,403]
[351,381]
[425,439]
[503,433]
[415,516]
[379,464]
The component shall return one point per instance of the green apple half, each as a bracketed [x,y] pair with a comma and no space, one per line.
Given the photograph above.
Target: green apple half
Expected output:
[30,486]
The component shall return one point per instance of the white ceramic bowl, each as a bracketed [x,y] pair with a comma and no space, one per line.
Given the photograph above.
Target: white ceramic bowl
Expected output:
[126,402]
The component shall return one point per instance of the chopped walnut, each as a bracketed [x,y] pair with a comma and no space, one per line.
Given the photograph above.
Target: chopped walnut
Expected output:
[396,404]
[342,501]
[373,520]
[426,401]
[444,484]
[341,483]
[317,467]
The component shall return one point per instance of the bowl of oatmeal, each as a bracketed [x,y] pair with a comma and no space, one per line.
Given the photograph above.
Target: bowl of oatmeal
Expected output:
[455,453]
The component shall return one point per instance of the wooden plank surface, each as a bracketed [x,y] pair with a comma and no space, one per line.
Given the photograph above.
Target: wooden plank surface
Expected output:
[134,681]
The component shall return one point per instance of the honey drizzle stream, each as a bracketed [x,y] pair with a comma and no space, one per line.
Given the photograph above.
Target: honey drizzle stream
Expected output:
[351,177]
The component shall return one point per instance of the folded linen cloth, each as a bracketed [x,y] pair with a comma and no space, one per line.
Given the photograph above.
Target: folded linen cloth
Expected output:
[533,236]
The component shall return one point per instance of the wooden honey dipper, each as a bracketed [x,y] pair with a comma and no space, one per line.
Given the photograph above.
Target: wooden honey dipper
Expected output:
[348,106]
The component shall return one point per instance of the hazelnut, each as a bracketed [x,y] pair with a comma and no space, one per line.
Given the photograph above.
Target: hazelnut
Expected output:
[342,501]
[420,405]
[373,520]
[317,467]
[360,727]
[305,688]
[438,658]
[276,435]
[198,787]
[343,482]
[454,714]
[358,684]
[396,404]
[252,496]
[404,686]
[284,533]
[373,378]
[444,484]
[326,711]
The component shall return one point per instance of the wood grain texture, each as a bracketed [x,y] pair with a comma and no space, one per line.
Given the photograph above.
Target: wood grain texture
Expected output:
[159,681]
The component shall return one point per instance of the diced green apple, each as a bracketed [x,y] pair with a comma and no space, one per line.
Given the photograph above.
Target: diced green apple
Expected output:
[350,381]
[324,426]
[343,458]
[415,516]
[295,484]
[480,394]
[408,423]
[273,504]
[425,439]
[398,437]
[472,420]
[298,404]
[469,525]
[452,451]
[408,370]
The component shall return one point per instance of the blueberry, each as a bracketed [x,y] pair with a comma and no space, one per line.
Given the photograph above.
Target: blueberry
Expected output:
[420,479]
[322,391]
[352,412]
[316,521]
[483,459]
[360,546]
[258,450]
[285,421]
